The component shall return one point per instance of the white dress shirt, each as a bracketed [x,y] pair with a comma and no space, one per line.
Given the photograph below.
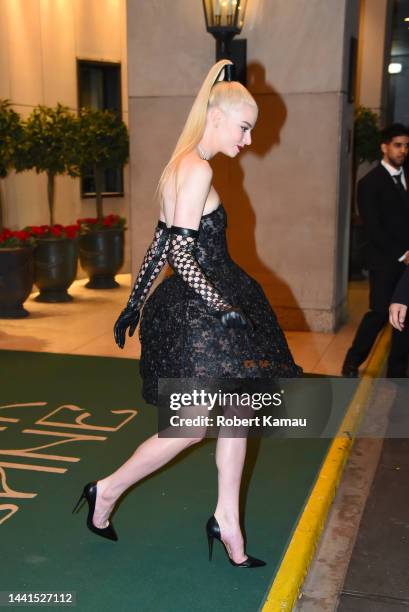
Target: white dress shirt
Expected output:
[395,172]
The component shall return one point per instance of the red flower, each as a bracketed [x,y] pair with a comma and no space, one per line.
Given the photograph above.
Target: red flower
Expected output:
[56,231]
[21,235]
[13,239]
[89,224]
[36,230]
[71,231]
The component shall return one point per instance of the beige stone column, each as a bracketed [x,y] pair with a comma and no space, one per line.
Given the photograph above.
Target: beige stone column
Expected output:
[287,196]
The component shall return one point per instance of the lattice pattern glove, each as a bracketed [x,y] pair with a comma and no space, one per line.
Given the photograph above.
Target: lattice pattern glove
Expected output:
[153,262]
[182,259]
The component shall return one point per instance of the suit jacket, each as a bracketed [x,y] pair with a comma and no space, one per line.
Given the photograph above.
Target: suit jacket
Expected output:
[384,209]
[401,293]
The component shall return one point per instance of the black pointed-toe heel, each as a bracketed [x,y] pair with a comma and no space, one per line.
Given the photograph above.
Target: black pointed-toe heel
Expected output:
[90,494]
[213,531]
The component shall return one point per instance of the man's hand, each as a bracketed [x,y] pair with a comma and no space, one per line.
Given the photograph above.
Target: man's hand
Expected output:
[397,315]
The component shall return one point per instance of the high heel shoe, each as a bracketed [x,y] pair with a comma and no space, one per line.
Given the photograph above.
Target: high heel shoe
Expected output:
[90,494]
[213,531]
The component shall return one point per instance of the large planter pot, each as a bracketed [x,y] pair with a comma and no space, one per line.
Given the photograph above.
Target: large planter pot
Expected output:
[16,281]
[55,265]
[102,256]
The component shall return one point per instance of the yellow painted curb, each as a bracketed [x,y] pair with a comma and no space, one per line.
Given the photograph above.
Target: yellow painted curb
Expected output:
[300,551]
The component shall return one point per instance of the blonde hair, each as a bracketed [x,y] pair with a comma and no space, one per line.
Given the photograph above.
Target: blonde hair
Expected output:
[213,92]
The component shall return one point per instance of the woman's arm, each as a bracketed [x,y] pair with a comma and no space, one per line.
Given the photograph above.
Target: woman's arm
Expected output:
[152,264]
[184,232]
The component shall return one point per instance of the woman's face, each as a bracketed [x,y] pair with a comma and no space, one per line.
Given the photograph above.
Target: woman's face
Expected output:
[235,128]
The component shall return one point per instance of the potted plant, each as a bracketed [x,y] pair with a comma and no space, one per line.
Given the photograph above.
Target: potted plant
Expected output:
[16,272]
[10,135]
[102,249]
[366,149]
[47,146]
[56,260]
[103,142]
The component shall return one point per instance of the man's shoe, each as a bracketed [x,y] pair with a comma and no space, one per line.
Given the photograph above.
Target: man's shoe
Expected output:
[350,371]
[350,368]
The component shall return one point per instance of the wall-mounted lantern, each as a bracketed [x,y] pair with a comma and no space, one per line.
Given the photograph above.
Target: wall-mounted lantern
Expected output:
[224,20]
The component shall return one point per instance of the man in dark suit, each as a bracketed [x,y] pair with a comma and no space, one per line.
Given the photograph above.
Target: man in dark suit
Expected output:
[383,202]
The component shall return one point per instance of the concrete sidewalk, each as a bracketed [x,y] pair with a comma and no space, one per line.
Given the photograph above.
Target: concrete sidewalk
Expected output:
[378,573]
[362,560]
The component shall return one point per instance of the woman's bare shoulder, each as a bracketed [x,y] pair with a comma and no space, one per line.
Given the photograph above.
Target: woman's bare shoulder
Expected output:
[193,180]
[191,164]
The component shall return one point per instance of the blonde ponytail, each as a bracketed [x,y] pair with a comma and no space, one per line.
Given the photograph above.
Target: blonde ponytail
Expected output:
[213,92]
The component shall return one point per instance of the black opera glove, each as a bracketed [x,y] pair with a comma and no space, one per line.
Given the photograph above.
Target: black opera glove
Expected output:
[127,318]
[234,317]
[153,262]
[181,258]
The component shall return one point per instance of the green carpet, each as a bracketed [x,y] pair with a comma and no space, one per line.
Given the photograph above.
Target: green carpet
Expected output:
[161,560]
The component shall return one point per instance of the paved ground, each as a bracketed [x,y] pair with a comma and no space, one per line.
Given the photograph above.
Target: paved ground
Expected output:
[362,561]
[378,574]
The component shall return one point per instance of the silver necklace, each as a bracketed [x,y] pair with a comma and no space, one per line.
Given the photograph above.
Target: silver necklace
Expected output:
[202,154]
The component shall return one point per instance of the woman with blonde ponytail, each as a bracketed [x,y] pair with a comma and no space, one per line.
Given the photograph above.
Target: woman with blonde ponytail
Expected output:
[209,96]
[208,320]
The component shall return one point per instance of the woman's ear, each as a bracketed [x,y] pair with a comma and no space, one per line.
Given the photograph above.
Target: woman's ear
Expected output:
[216,116]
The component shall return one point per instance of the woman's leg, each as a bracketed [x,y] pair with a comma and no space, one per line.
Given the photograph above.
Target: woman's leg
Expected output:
[152,454]
[230,455]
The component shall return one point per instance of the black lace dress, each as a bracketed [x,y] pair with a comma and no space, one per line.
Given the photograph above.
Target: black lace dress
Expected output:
[181,338]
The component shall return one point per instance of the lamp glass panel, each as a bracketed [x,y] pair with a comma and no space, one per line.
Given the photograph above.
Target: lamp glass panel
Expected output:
[241,10]
[209,14]
[224,12]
